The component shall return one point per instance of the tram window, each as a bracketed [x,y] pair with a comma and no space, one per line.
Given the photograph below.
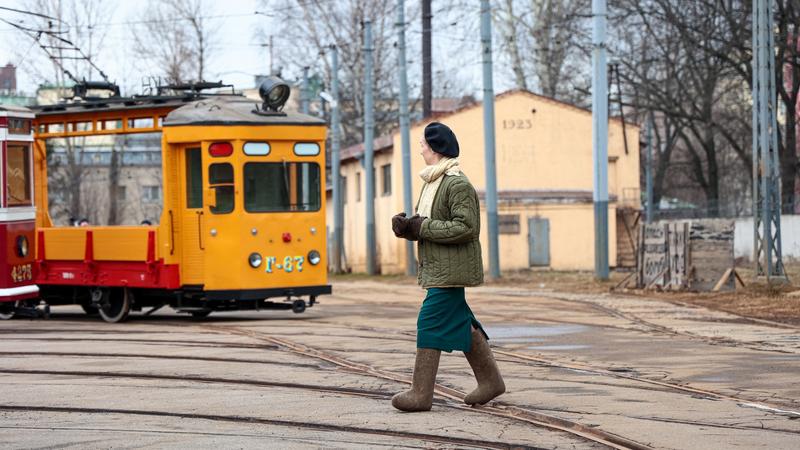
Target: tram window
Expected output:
[306,149]
[280,187]
[112,124]
[18,171]
[140,122]
[256,148]
[194,179]
[80,126]
[106,164]
[220,178]
[19,126]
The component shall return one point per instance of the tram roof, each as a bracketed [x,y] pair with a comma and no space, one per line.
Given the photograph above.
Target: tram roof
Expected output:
[234,111]
[14,109]
[114,104]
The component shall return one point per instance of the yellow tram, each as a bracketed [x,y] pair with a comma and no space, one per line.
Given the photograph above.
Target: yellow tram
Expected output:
[243,218]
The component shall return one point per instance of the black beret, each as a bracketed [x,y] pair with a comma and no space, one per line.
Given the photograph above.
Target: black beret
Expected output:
[441,139]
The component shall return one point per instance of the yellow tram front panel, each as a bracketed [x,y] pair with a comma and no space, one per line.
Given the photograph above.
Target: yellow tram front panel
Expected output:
[234,223]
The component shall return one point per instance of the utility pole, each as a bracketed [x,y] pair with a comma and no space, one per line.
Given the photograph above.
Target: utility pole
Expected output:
[488,140]
[304,92]
[427,80]
[305,99]
[369,129]
[600,138]
[648,170]
[767,252]
[405,138]
[338,204]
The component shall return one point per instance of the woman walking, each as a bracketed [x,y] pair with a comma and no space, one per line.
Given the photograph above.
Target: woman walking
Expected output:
[447,228]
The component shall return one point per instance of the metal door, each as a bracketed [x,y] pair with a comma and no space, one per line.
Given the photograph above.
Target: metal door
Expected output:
[539,241]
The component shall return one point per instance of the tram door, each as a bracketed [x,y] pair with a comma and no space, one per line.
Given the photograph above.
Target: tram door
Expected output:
[221,237]
[192,220]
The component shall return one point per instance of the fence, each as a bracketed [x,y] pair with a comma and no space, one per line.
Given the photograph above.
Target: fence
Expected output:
[790,238]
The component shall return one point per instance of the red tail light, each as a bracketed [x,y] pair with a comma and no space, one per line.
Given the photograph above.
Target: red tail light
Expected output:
[220,149]
[287,237]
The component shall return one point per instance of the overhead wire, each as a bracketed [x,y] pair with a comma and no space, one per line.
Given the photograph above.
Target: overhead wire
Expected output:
[36,35]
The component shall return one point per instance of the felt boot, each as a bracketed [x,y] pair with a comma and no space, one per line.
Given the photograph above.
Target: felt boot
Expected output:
[420,396]
[490,382]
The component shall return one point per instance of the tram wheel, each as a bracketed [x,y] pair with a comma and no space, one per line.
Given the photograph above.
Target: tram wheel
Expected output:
[116,304]
[200,314]
[8,310]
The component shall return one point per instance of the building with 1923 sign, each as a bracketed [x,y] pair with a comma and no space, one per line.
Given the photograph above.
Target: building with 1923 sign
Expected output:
[544,183]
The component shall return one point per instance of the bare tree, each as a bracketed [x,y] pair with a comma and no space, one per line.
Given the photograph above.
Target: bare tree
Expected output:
[555,33]
[306,30]
[62,50]
[671,65]
[176,38]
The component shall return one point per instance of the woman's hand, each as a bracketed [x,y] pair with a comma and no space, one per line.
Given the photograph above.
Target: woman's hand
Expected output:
[414,225]
[407,227]
[399,224]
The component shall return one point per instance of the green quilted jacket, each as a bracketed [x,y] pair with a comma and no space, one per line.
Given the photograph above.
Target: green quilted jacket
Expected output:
[449,248]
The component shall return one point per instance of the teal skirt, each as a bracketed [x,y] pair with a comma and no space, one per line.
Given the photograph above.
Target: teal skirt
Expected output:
[445,321]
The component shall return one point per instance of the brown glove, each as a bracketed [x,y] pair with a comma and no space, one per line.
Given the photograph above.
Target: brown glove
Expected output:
[414,227]
[399,224]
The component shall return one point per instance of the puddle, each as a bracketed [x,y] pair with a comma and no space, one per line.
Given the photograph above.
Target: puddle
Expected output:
[521,334]
[557,347]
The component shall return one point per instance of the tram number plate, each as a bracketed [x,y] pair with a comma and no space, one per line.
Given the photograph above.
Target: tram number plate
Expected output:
[21,273]
[288,264]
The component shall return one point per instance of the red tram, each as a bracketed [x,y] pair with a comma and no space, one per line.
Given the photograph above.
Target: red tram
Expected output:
[17,209]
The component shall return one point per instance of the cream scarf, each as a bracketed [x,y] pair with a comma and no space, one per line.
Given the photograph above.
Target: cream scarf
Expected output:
[433,176]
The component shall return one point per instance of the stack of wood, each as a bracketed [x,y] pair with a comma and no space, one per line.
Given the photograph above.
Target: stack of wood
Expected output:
[692,255]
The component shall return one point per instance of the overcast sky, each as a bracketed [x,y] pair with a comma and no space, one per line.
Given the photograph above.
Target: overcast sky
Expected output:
[237,58]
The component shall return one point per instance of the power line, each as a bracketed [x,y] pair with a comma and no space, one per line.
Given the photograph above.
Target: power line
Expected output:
[36,35]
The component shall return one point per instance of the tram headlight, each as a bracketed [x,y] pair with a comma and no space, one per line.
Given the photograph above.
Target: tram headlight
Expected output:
[22,246]
[255,259]
[274,92]
[313,257]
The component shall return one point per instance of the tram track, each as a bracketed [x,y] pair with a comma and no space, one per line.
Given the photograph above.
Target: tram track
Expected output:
[159,342]
[426,437]
[647,325]
[455,396]
[452,397]
[389,334]
[199,379]
[688,390]
[160,357]
[366,393]
[618,373]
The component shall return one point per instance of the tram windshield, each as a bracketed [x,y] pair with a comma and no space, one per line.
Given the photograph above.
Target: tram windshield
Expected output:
[281,187]
[105,179]
[18,172]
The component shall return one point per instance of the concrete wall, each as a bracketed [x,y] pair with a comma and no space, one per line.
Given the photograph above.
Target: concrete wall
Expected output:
[790,237]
